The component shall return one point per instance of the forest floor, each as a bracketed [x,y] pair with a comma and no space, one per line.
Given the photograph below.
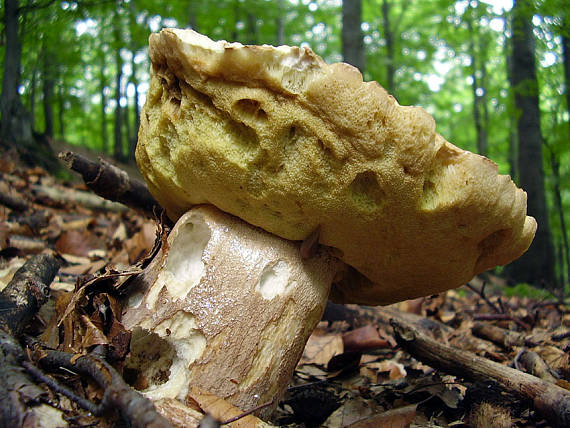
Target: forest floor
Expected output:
[362,367]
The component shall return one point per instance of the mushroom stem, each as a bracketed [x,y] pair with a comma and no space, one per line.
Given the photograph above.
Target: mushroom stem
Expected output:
[228,308]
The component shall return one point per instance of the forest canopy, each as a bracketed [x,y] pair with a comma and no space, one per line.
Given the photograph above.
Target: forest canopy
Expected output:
[83,73]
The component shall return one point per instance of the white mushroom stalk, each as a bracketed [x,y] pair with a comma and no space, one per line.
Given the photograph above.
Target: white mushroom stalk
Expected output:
[227,307]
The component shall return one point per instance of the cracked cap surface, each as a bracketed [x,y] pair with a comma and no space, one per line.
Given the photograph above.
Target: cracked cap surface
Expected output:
[288,143]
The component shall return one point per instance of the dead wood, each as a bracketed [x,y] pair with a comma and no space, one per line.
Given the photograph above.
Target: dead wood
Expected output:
[13,202]
[134,407]
[482,294]
[560,336]
[501,317]
[112,183]
[18,393]
[26,244]
[551,401]
[28,223]
[505,338]
[536,366]
[26,293]
[49,195]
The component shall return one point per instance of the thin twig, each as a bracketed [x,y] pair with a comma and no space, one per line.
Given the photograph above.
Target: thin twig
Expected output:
[62,389]
[501,317]
[249,412]
[137,409]
[481,293]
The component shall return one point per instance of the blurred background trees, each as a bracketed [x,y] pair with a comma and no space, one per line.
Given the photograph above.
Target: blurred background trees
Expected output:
[493,73]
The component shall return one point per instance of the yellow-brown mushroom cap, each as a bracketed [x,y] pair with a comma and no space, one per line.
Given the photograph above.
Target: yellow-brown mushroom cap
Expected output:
[288,143]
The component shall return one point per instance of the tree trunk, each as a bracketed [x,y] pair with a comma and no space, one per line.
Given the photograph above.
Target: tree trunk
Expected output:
[61,108]
[566,60]
[280,36]
[192,12]
[513,137]
[118,131]
[478,85]
[48,85]
[536,266]
[136,111]
[252,29]
[352,42]
[118,128]
[15,124]
[33,88]
[389,37]
[565,248]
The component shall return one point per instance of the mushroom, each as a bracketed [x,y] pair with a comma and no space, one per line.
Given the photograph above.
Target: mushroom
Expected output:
[298,150]
[226,307]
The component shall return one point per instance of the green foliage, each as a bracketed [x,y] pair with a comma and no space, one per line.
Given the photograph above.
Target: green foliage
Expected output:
[527,290]
[440,48]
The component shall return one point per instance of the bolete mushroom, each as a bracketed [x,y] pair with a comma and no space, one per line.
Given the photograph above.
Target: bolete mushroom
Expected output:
[291,145]
[226,307]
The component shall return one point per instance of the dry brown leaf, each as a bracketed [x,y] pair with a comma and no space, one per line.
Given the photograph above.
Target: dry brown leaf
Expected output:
[141,242]
[396,418]
[93,335]
[321,348]
[363,339]
[351,411]
[396,370]
[221,410]
[78,243]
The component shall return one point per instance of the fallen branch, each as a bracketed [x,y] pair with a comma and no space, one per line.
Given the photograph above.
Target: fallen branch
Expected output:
[112,183]
[85,199]
[505,338]
[13,202]
[536,366]
[18,391]
[551,401]
[134,407]
[26,293]
[20,300]
[481,294]
[501,317]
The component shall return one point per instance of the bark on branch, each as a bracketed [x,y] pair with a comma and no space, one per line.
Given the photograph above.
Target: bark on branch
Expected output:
[551,401]
[135,408]
[112,183]
[26,293]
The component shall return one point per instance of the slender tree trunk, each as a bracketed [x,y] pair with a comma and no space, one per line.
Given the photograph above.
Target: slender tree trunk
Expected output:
[61,109]
[513,137]
[252,29]
[192,12]
[118,130]
[104,133]
[537,264]
[485,107]
[136,110]
[478,88]
[48,91]
[127,124]
[234,33]
[389,37]
[565,250]
[15,123]
[280,36]
[33,88]
[566,60]
[12,58]
[352,42]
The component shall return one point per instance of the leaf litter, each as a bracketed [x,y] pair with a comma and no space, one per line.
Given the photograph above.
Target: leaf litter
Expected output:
[352,373]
